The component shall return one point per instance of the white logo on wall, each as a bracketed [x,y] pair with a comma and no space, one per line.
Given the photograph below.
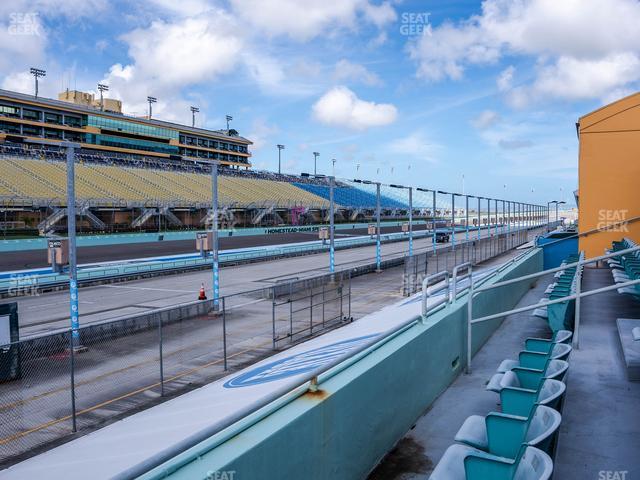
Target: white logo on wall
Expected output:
[303,362]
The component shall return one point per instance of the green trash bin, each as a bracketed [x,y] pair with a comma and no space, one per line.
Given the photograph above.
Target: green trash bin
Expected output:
[9,347]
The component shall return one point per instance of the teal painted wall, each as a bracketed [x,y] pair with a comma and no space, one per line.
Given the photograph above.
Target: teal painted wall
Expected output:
[361,412]
[12,245]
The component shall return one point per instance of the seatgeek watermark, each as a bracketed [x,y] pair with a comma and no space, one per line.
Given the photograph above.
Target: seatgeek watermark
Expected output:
[613,220]
[415,24]
[24,23]
[221,475]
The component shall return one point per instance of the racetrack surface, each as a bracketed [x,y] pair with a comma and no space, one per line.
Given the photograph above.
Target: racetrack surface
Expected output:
[28,259]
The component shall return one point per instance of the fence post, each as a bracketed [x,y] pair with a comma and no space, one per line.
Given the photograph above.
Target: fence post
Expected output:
[341,298]
[323,301]
[576,333]
[224,332]
[160,345]
[72,361]
[349,278]
[311,312]
[290,312]
[273,317]
[469,318]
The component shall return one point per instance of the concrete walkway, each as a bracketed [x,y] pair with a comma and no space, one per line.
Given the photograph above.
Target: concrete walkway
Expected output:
[419,451]
[600,430]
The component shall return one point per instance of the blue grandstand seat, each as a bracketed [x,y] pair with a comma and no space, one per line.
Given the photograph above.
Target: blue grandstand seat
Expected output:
[350,197]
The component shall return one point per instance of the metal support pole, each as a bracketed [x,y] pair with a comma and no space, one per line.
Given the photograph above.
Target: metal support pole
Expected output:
[378,255]
[332,250]
[453,221]
[479,218]
[224,333]
[466,220]
[71,233]
[72,365]
[214,231]
[273,318]
[469,319]
[433,221]
[160,355]
[576,330]
[509,222]
[411,221]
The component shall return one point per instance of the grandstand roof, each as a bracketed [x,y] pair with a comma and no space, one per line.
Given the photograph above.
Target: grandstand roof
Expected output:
[59,104]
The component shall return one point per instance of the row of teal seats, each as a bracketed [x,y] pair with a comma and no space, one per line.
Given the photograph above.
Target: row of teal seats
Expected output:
[518,442]
[561,316]
[626,267]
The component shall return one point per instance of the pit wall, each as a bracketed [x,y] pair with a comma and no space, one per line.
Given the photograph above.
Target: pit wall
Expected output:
[40,243]
[343,430]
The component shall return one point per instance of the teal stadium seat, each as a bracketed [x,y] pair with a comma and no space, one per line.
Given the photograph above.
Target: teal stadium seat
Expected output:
[461,462]
[501,434]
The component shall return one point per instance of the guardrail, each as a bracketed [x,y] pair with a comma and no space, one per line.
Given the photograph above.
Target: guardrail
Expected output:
[579,294]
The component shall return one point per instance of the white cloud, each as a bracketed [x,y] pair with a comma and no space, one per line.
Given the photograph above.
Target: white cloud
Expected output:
[169,56]
[505,79]
[486,119]
[19,82]
[346,70]
[579,79]
[414,145]
[570,41]
[341,107]
[262,133]
[311,18]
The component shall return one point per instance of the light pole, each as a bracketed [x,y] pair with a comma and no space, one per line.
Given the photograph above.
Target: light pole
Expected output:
[71,233]
[151,100]
[315,162]
[228,118]
[332,250]
[37,73]
[102,88]
[194,110]
[214,234]
[280,148]
[333,167]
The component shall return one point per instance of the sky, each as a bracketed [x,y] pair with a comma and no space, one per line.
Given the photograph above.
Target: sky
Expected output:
[474,97]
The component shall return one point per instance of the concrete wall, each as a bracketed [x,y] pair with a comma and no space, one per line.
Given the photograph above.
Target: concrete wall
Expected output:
[342,431]
[609,170]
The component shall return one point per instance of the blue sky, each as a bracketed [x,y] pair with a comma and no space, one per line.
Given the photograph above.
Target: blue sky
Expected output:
[444,94]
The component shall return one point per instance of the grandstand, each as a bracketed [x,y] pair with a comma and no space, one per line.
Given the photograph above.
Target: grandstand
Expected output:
[127,192]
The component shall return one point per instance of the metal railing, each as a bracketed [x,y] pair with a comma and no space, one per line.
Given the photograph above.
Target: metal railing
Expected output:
[577,296]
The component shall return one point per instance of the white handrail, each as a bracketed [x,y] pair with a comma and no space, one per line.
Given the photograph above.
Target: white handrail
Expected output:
[576,296]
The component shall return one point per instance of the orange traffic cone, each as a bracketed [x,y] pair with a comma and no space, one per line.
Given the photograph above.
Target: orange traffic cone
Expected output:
[202,295]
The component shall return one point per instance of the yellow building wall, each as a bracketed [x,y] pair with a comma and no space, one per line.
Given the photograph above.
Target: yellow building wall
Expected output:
[609,174]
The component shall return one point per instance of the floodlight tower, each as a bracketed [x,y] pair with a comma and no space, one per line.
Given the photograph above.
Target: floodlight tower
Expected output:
[37,73]
[194,110]
[103,88]
[151,100]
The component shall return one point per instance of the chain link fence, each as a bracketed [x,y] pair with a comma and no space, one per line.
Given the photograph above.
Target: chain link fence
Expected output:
[128,364]
[125,365]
